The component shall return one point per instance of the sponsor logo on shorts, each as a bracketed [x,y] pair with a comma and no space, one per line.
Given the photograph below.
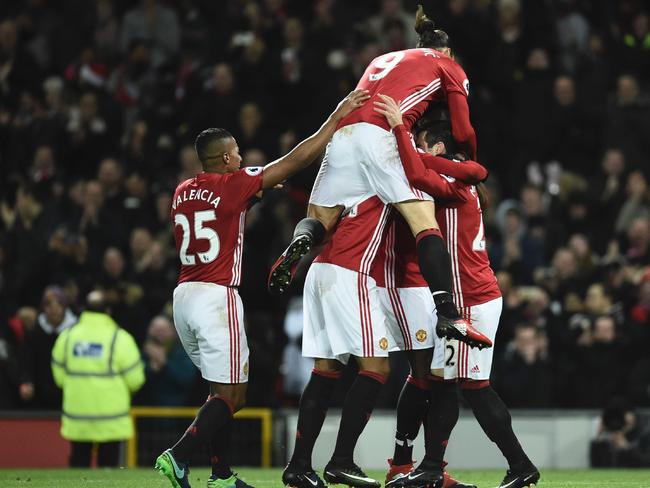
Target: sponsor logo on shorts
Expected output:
[476,369]
[421,335]
[246,368]
[383,343]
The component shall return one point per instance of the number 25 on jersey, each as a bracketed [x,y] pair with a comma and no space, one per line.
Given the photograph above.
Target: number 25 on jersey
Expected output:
[200,233]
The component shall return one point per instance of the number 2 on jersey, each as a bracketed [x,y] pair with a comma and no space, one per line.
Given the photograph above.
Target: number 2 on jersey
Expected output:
[385,63]
[200,232]
[478,244]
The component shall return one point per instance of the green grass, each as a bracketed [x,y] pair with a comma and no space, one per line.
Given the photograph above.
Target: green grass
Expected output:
[270,478]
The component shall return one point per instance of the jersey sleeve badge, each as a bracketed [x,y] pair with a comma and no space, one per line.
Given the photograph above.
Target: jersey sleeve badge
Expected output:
[254,170]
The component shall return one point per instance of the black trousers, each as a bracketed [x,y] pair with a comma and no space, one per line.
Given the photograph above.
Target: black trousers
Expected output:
[108,454]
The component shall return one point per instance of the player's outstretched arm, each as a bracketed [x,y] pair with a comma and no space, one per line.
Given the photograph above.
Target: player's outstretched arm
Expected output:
[304,153]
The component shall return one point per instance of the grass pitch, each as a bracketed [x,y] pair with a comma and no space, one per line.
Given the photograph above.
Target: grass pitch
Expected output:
[270,478]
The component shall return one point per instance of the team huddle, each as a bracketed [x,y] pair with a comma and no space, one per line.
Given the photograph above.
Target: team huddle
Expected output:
[394,272]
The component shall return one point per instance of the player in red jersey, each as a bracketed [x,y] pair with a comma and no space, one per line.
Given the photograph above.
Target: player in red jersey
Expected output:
[362,161]
[208,213]
[476,291]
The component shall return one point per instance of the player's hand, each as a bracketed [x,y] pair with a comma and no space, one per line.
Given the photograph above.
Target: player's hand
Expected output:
[389,108]
[353,101]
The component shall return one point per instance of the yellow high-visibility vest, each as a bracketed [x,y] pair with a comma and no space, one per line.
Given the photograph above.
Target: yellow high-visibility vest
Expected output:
[98,366]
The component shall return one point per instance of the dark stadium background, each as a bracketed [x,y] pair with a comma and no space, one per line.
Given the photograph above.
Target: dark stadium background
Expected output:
[97,120]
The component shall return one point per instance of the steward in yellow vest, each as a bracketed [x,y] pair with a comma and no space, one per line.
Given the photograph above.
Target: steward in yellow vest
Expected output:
[98,366]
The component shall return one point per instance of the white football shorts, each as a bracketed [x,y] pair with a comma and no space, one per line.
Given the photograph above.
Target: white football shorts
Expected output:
[343,315]
[459,360]
[209,319]
[410,317]
[362,160]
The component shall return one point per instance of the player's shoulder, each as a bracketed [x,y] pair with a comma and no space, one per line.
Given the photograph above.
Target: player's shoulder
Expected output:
[450,64]
[242,174]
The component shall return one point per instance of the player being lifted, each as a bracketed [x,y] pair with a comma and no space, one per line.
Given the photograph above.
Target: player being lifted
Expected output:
[477,293]
[362,161]
[208,213]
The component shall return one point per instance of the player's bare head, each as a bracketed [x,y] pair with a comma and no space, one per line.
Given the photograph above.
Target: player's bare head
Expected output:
[433,134]
[217,148]
[428,35]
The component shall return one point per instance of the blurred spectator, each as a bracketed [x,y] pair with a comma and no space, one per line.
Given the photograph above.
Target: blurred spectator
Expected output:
[623,439]
[594,72]
[525,378]
[37,378]
[123,296]
[89,136]
[18,70]
[639,314]
[100,227]
[638,237]
[518,252]
[28,227]
[392,11]
[609,195]
[532,107]
[628,118]
[574,136]
[169,371]
[111,177]
[156,24]
[218,105]
[190,165]
[151,272]
[573,33]
[636,46]
[601,359]
[133,83]
[250,134]
[637,203]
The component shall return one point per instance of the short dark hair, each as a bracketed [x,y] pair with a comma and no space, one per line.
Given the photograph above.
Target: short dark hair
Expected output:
[205,138]
[439,131]
[428,35]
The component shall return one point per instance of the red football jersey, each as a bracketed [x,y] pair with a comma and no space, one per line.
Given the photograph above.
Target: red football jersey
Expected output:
[209,214]
[413,77]
[358,237]
[459,215]
[460,218]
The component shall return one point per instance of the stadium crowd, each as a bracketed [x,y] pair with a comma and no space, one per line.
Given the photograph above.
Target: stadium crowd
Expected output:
[100,102]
